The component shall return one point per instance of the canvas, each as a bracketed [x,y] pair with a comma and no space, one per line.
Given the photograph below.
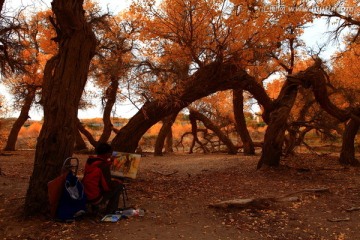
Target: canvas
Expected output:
[125,165]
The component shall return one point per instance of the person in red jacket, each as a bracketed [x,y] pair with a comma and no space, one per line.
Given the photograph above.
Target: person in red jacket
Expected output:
[97,182]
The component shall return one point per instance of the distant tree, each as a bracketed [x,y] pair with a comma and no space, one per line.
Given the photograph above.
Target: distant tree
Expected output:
[164,133]
[240,122]
[345,80]
[24,86]
[111,64]
[196,115]
[10,42]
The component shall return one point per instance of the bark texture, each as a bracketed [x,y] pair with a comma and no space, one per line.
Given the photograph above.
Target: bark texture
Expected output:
[65,76]
[240,122]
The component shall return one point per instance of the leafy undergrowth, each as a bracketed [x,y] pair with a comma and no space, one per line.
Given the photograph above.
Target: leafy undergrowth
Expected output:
[176,191]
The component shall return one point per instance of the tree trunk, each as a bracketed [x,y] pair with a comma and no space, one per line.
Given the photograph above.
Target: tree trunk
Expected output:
[24,115]
[347,155]
[164,131]
[210,125]
[169,142]
[275,133]
[110,101]
[194,131]
[240,122]
[1,5]
[209,79]
[64,80]
[79,142]
[295,138]
[86,133]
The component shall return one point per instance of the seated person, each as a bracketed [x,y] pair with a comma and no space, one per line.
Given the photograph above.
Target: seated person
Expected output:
[98,185]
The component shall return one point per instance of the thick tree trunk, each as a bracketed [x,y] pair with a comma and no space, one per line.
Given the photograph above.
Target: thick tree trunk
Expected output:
[210,125]
[169,142]
[207,80]
[110,101]
[64,80]
[275,133]
[347,155]
[164,131]
[240,122]
[24,115]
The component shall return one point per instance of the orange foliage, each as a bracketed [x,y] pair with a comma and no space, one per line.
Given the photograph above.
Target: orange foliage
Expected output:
[179,129]
[154,130]
[32,131]
[273,88]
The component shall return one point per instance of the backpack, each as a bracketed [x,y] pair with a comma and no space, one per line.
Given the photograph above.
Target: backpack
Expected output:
[72,202]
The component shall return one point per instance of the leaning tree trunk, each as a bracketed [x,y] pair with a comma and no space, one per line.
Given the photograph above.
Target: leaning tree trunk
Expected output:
[210,125]
[86,133]
[240,122]
[24,115]
[110,97]
[164,131]
[209,79]
[79,142]
[64,80]
[347,155]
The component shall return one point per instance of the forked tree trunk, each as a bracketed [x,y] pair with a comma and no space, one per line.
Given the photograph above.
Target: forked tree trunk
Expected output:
[24,115]
[314,77]
[240,122]
[275,133]
[210,125]
[64,80]
[347,155]
[294,139]
[194,131]
[164,132]
[207,80]
[110,98]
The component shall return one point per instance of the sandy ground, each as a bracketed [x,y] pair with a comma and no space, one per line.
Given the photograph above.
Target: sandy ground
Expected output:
[176,191]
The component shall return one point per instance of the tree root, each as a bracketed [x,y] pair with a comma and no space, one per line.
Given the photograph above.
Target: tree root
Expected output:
[264,202]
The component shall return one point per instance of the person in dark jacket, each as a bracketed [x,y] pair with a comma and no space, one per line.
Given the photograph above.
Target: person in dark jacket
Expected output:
[98,185]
